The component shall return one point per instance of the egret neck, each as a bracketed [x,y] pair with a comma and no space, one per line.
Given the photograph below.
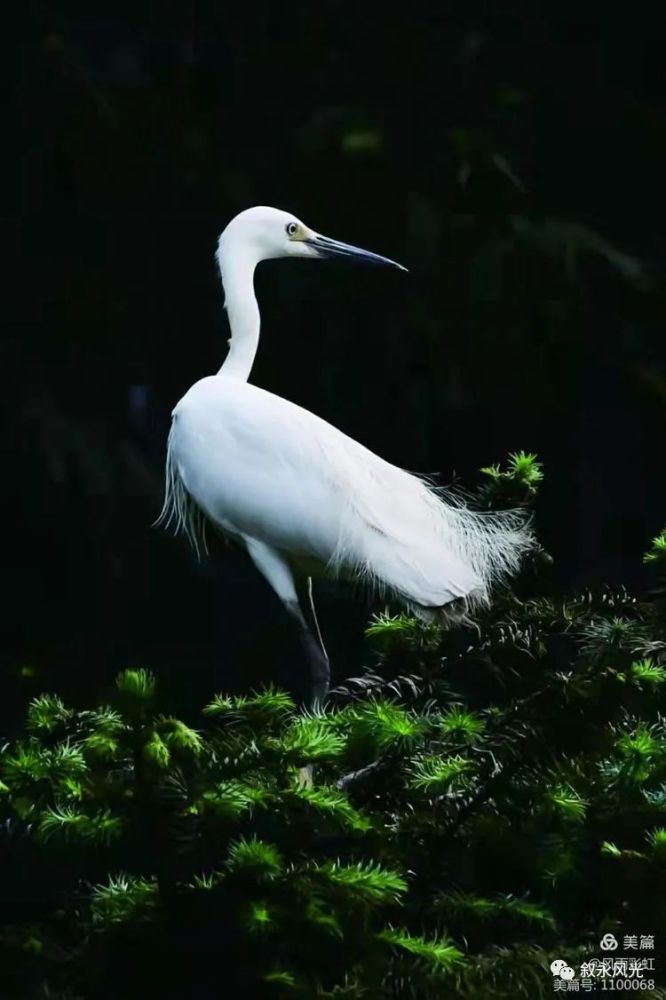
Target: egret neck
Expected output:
[237,271]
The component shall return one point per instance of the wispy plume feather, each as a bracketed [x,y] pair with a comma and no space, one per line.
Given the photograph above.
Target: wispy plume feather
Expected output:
[180,513]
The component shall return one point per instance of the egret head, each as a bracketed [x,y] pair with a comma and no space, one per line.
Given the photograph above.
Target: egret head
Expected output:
[267,233]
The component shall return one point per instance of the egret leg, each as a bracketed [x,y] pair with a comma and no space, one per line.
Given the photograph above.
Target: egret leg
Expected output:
[276,570]
[313,611]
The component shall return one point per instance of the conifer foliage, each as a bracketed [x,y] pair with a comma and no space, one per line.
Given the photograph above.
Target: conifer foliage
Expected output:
[483,799]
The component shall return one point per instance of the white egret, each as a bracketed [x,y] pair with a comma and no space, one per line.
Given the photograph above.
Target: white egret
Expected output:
[300,495]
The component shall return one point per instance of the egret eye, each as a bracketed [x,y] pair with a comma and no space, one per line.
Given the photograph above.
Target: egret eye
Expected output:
[292,229]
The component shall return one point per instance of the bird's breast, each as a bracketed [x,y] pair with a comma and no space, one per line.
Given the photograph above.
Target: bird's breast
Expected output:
[245,457]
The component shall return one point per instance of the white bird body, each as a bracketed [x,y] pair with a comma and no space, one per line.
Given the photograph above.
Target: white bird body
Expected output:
[313,493]
[295,490]
[258,485]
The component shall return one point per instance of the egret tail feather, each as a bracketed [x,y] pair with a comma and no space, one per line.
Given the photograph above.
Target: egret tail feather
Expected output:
[427,548]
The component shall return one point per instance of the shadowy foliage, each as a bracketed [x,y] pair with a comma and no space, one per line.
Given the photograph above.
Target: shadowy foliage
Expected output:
[482,800]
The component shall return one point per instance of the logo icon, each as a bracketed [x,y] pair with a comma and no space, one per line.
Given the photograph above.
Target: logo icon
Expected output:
[608,942]
[561,969]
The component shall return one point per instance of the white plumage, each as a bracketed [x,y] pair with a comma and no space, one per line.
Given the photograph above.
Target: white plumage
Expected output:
[297,492]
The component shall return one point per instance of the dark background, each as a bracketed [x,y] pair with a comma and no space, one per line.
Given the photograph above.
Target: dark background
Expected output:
[511,155]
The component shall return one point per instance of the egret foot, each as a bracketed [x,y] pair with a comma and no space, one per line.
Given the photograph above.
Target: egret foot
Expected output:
[305,776]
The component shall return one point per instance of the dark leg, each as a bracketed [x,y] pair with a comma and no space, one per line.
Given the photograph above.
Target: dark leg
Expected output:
[320,672]
[277,571]
[320,668]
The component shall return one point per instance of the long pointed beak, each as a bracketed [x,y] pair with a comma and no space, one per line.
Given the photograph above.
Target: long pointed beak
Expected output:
[333,248]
